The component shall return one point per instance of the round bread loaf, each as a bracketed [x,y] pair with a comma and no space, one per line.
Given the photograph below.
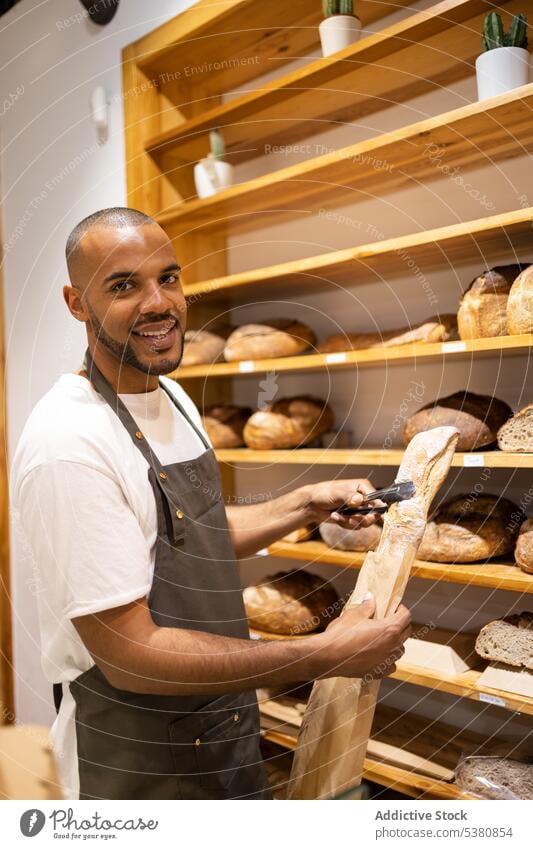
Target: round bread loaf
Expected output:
[520,303]
[483,307]
[523,553]
[359,539]
[278,337]
[291,603]
[517,432]
[476,417]
[288,423]
[495,778]
[468,528]
[435,329]
[224,424]
[202,347]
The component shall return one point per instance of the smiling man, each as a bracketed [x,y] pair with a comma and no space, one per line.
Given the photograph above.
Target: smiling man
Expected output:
[143,630]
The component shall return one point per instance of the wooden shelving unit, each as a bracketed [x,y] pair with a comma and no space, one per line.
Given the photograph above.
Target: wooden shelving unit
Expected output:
[175,80]
[492,575]
[367,457]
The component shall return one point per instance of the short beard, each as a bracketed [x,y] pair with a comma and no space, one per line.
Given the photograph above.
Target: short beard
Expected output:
[124,353]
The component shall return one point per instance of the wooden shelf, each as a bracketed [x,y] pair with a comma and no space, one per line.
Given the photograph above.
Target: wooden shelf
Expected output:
[464,685]
[499,346]
[486,240]
[493,575]
[401,780]
[370,75]
[480,133]
[367,457]
[228,33]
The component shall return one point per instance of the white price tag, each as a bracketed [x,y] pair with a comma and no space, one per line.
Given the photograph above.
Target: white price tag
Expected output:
[263,552]
[492,700]
[474,460]
[452,347]
[247,365]
[336,358]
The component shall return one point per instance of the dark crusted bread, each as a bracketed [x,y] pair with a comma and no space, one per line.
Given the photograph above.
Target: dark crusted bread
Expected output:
[517,432]
[508,640]
[224,424]
[467,528]
[477,418]
[483,307]
[288,423]
[523,552]
[291,603]
[495,778]
[360,539]
[278,337]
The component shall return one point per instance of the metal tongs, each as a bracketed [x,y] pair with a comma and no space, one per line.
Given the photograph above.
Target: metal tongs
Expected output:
[390,495]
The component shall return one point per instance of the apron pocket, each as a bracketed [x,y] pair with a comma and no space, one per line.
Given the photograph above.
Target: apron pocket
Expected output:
[211,754]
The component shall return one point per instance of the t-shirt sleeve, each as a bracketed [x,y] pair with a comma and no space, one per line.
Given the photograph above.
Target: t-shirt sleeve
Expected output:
[88,546]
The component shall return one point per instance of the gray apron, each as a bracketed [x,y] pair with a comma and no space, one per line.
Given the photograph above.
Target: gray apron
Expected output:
[133,746]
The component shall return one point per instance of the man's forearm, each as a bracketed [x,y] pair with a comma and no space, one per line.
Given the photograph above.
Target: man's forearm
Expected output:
[173,661]
[254,526]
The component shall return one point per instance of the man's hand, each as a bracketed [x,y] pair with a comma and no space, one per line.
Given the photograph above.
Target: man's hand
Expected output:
[357,646]
[324,497]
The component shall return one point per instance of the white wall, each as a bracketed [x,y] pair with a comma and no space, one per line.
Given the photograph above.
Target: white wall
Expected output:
[54,173]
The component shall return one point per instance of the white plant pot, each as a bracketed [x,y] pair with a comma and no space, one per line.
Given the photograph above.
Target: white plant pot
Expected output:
[501,69]
[338,32]
[211,176]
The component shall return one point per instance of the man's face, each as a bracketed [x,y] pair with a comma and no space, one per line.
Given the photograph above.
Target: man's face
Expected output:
[133,296]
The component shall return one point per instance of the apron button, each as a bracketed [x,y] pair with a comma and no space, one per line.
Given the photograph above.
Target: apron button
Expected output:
[138,434]
[236,717]
[163,476]
[179,514]
[197,742]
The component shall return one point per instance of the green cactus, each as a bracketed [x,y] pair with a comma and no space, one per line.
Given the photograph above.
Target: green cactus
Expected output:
[216,142]
[337,7]
[494,35]
[517,35]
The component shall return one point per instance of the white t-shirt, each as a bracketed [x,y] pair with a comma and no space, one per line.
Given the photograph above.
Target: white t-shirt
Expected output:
[82,499]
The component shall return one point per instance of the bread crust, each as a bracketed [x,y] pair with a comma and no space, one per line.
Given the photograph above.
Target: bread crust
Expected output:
[277,337]
[524,547]
[520,303]
[224,424]
[508,640]
[516,434]
[483,308]
[202,347]
[291,603]
[359,539]
[435,329]
[288,423]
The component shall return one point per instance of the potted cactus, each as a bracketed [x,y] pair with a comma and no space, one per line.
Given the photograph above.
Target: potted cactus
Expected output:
[212,174]
[504,64]
[340,27]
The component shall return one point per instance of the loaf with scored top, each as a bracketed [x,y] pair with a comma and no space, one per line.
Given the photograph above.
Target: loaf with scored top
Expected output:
[291,603]
[278,337]
[288,423]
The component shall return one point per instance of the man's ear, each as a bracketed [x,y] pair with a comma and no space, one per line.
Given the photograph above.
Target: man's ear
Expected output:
[73,300]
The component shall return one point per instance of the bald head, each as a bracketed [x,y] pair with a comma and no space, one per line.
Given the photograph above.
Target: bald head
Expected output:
[113,218]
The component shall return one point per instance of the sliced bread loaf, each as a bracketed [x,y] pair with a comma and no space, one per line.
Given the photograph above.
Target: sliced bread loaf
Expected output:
[517,433]
[508,640]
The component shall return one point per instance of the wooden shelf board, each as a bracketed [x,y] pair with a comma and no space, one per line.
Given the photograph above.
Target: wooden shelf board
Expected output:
[487,239]
[402,780]
[367,457]
[229,34]
[365,77]
[479,133]
[464,685]
[397,354]
[493,575]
